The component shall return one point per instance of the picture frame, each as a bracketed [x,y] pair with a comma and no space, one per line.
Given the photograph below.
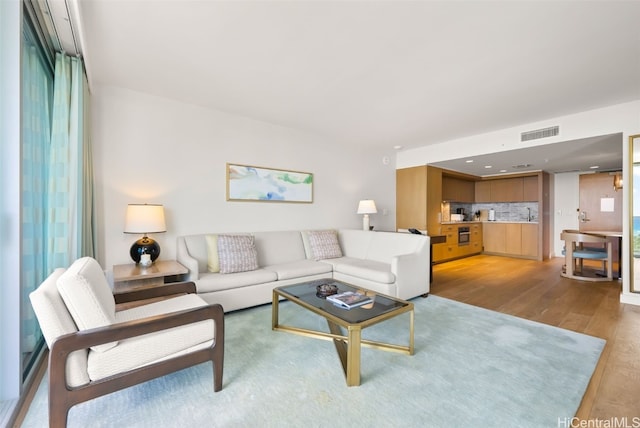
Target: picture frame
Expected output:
[262,184]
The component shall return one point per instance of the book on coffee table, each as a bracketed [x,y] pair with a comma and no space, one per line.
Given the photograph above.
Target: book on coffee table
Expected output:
[349,299]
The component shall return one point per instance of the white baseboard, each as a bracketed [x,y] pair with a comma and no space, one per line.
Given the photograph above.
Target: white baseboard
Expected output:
[630,298]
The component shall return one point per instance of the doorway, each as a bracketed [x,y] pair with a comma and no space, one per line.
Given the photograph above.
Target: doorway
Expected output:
[601,208]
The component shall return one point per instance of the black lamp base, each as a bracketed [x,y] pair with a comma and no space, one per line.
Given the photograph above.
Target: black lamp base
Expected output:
[144,245]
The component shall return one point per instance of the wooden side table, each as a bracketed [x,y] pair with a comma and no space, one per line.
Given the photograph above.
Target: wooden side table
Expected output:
[135,277]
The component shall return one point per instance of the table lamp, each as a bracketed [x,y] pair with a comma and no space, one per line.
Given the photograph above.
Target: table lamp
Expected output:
[144,218]
[366,207]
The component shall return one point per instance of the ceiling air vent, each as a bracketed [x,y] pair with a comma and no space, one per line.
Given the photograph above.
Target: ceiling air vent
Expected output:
[540,133]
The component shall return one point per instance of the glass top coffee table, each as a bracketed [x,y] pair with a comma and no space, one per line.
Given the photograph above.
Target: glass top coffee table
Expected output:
[353,321]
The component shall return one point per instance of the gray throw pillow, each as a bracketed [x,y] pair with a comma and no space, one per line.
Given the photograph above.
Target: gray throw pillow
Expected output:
[237,253]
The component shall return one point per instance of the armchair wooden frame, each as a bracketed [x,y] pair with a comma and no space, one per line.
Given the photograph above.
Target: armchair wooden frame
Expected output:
[62,397]
[576,252]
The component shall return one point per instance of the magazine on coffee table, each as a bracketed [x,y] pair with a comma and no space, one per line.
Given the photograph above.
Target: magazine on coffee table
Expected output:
[349,299]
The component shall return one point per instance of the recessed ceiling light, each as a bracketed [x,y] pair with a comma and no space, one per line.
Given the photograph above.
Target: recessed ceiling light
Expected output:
[594,167]
[503,170]
[469,161]
[398,147]
[488,166]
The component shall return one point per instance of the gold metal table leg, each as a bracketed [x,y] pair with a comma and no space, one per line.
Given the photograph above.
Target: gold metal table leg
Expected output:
[349,351]
[274,311]
[353,356]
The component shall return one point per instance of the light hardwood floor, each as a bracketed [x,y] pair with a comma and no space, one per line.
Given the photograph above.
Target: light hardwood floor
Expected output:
[535,290]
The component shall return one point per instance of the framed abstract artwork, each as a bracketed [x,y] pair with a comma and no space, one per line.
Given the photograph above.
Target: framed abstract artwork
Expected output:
[255,183]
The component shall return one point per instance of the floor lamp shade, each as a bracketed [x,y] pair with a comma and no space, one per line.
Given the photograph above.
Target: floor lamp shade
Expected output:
[144,219]
[366,207]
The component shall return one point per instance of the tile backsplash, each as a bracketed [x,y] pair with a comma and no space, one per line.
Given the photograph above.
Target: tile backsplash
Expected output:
[505,211]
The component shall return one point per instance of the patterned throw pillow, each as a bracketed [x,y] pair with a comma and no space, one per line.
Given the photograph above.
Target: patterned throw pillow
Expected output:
[213,260]
[237,253]
[324,244]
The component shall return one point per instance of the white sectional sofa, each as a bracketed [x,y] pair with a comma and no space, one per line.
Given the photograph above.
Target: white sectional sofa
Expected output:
[396,264]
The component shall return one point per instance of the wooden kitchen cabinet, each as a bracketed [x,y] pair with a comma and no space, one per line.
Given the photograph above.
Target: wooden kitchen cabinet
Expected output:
[448,249]
[475,241]
[511,239]
[514,189]
[530,191]
[411,198]
[494,236]
[530,240]
[483,191]
[506,190]
[451,249]
[457,190]
[419,198]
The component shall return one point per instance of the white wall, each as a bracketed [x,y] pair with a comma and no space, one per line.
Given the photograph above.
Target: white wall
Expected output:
[566,201]
[156,150]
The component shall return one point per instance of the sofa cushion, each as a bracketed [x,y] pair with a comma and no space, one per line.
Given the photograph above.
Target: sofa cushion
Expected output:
[209,282]
[143,350]
[88,297]
[356,243]
[278,247]
[55,321]
[213,261]
[365,269]
[299,269]
[237,253]
[324,244]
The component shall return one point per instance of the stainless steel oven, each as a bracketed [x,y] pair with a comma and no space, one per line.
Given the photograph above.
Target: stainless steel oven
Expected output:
[463,235]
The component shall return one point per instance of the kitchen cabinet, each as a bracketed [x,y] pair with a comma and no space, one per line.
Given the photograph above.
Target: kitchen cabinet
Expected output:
[511,239]
[483,191]
[447,250]
[513,189]
[419,198]
[494,236]
[475,241]
[457,190]
[506,190]
[451,249]
[411,198]
[530,191]
[530,240]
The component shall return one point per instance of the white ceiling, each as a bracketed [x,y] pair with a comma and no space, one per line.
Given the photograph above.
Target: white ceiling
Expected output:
[375,73]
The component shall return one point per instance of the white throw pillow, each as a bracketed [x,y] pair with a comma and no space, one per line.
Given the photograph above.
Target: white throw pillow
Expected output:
[324,244]
[237,253]
[88,297]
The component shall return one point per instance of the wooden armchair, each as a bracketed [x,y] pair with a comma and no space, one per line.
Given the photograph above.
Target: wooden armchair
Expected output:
[597,247]
[95,350]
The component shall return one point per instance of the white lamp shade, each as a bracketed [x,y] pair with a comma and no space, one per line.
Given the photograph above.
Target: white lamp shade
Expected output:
[145,218]
[367,206]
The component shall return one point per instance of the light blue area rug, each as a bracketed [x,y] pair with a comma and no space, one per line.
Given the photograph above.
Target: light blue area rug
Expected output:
[472,367]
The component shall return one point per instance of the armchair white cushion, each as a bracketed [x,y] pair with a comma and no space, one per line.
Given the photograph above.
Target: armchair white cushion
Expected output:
[88,297]
[115,350]
[55,321]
